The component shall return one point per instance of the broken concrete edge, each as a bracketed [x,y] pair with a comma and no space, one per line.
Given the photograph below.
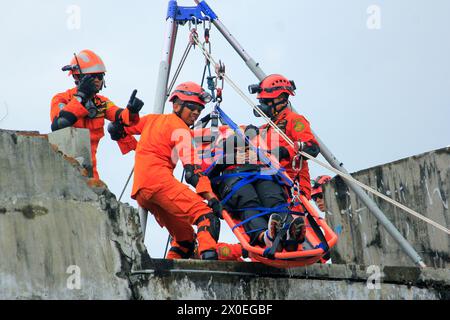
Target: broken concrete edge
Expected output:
[15,133]
[75,144]
[95,184]
[23,132]
[417,156]
[438,279]
[132,254]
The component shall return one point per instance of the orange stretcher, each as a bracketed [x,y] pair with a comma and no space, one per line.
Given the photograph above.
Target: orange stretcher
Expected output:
[302,256]
[320,238]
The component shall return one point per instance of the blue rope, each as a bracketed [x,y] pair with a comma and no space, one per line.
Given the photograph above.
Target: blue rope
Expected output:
[273,173]
[213,164]
[265,211]
[227,120]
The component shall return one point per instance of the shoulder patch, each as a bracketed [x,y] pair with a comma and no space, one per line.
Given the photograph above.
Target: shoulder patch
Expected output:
[109,104]
[298,125]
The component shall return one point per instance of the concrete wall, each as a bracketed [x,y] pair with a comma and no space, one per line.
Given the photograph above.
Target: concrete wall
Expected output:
[53,217]
[205,280]
[420,182]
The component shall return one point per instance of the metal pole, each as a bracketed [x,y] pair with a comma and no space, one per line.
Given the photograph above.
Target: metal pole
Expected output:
[143,219]
[332,160]
[166,60]
[252,64]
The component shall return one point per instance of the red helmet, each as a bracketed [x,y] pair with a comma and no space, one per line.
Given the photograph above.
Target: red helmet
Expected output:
[317,184]
[272,86]
[191,91]
[88,61]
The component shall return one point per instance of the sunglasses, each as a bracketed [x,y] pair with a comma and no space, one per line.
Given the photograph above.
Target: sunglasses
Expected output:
[193,106]
[98,76]
[317,196]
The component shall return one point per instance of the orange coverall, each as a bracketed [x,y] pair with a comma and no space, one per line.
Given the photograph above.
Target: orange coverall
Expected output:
[106,109]
[174,205]
[297,128]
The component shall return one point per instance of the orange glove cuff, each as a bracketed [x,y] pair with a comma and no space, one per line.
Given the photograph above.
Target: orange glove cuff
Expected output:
[203,185]
[129,119]
[127,144]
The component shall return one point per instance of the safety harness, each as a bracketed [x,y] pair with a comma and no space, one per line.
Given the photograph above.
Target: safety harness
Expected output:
[268,172]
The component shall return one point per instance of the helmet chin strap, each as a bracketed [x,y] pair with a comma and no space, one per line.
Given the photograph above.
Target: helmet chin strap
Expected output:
[179,116]
[179,112]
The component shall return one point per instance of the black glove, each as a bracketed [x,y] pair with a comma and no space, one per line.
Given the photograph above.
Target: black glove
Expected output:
[86,88]
[311,148]
[135,104]
[116,130]
[282,152]
[216,206]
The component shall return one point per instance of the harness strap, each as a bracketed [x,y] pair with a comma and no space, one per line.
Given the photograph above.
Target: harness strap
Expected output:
[323,242]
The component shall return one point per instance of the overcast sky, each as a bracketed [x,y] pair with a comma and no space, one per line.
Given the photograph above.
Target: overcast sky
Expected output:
[373,77]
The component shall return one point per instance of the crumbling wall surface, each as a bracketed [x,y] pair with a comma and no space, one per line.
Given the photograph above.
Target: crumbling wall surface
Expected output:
[64,236]
[420,182]
[61,235]
[205,280]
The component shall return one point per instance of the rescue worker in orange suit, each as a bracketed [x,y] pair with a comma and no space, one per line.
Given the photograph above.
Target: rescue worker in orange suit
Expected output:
[165,139]
[83,107]
[273,94]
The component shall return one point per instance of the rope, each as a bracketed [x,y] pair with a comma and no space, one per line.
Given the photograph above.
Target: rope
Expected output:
[126,183]
[180,66]
[291,143]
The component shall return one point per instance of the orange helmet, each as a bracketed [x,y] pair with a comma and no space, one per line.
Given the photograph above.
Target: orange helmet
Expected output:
[272,86]
[191,91]
[318,183]
[88,61]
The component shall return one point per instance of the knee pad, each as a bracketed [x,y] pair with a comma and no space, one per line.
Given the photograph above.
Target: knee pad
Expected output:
[189,245]
[210,223]
[192,174]
[209,255]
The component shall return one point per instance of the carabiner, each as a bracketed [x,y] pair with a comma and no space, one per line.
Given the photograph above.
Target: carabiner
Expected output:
[193,21]
[296,158]
[207,18]
[220,70]
[206,29]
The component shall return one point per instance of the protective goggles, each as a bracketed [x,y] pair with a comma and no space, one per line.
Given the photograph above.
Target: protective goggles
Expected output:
[193,106]
[204,96]
[317,196]
[266,101]
[98,76]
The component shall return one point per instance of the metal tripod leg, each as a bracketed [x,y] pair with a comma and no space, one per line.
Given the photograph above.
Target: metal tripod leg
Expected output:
[165,65]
